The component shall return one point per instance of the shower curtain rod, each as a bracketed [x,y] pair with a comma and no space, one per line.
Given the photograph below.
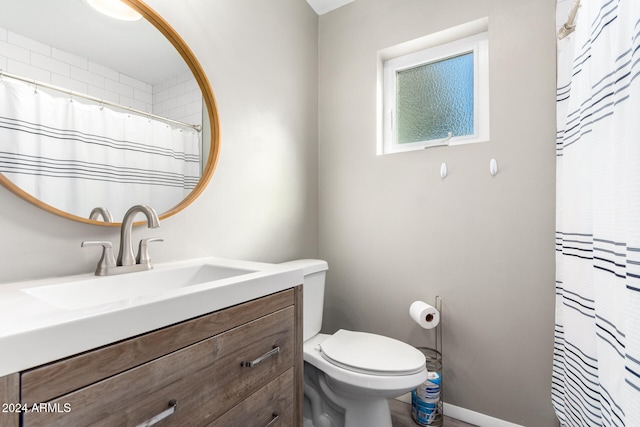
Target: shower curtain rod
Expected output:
[570,25]
[36,83]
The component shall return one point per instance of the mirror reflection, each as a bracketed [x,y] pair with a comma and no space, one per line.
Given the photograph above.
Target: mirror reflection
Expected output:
[96,112]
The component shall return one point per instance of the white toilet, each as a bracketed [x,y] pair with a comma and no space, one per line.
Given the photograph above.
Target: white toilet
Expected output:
[349,376]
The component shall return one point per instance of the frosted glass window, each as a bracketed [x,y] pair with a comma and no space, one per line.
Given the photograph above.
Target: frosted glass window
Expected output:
[435,99]
[436,96]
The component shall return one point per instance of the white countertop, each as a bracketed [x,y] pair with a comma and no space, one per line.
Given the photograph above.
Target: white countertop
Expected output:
[33,332]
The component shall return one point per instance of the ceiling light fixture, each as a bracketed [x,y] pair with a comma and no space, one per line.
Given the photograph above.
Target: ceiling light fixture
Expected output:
[115,9]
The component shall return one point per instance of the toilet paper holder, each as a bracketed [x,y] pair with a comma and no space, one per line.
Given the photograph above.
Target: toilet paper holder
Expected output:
[428,317]
[426,400]
[438,328]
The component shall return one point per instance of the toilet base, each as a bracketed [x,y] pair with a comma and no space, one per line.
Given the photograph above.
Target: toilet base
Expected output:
[325,408]
[374,413]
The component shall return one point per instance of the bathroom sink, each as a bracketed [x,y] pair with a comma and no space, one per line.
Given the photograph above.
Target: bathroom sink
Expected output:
[56,317]
[132,288]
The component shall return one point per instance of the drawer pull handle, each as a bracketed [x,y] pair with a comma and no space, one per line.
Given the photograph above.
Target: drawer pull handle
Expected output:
[162,415]
[267,355]
[274,418]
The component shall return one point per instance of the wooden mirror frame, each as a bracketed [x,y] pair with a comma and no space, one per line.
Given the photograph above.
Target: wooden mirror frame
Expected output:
[207,94]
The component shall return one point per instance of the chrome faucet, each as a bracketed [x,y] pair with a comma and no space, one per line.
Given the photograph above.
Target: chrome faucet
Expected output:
[125,255]
[126,262]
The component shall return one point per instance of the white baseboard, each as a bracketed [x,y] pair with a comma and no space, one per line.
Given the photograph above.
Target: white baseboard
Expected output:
[466,415]
[476,418]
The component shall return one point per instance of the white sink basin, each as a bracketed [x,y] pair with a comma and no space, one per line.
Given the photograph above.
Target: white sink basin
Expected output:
[53,318]
[130,288]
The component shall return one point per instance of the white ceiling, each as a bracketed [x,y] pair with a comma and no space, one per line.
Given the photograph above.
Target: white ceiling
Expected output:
[136,49]
[323,6]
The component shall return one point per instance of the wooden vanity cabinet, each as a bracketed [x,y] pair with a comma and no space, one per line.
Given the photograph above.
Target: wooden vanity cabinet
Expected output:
[240,366]
[9,394]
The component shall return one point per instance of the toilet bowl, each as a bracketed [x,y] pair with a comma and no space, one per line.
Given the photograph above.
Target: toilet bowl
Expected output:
[349,376]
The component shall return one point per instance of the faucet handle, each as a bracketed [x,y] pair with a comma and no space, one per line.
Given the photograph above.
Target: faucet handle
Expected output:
[107,260]
[143,250]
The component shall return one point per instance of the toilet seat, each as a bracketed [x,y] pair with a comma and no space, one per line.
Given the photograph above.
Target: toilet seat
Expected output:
[371,354]
[360,383]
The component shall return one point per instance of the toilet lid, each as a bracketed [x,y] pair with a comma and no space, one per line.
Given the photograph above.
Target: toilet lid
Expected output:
[372,354]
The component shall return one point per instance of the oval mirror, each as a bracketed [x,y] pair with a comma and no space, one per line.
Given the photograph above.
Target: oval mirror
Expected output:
[99,114]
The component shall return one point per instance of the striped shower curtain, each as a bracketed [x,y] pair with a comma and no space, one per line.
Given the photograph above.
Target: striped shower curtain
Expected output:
[596,373]
[76,156]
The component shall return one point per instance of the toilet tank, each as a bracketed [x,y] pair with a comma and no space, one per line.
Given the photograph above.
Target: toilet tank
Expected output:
[314,271]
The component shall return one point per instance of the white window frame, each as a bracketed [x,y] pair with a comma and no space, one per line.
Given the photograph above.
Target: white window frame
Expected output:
[479,45]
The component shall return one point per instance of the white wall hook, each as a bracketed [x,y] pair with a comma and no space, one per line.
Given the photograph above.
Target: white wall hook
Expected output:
[493,167]
[443,170]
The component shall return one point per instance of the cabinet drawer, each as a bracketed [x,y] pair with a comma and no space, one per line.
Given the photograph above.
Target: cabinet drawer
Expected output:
[273,404]
[206,379]
[9,393]
[50,381]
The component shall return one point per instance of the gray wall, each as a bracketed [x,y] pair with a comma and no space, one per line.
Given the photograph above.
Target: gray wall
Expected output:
[261,59]
[391,230]
[394,232]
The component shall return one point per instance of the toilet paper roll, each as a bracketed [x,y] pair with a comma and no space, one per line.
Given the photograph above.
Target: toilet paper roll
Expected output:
[424,315]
